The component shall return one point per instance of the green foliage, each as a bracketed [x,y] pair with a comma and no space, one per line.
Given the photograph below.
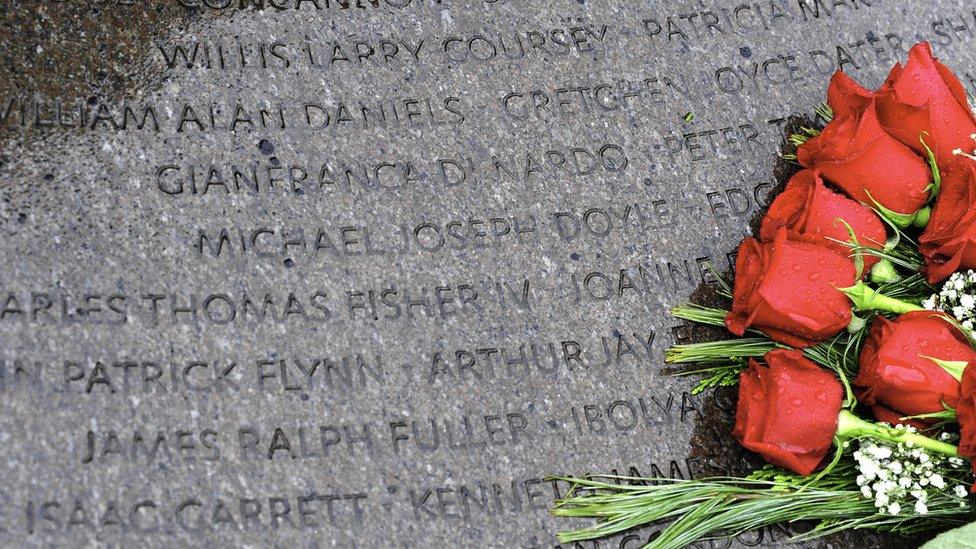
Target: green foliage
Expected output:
[824,115]
[725,507]
[824,111]
[723,376]
[701,314]
[803,135]
[724,359]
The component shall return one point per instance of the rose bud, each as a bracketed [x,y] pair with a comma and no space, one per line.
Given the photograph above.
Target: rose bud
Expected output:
[810,209]
[925,97]
[787,288]
[912,364]
[949,241]
[855,153]
[788,410]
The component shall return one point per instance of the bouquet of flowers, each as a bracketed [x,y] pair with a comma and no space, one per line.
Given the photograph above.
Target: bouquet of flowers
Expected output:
[854,309]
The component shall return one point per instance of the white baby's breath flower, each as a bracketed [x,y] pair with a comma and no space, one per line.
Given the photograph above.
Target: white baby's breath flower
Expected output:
[880,452]
[920,508]
[958,298]
[881,499]
[899,476]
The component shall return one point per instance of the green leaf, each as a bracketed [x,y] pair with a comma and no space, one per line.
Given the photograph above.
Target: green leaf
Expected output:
[960,538]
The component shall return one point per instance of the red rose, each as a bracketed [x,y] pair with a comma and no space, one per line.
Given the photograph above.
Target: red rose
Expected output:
[949,240]
[810,209]
[887,415]
[966,414]
[787,289]
[924,96]
[897,368]
[846,97]
[855,153]
[788,410]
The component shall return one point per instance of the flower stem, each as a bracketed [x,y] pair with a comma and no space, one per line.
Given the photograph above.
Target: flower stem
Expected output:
[850,426]
[868,299]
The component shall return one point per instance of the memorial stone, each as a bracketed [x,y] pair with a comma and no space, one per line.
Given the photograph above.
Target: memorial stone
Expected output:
[366,272]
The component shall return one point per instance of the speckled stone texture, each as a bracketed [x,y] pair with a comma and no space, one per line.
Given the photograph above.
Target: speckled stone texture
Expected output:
[366,272]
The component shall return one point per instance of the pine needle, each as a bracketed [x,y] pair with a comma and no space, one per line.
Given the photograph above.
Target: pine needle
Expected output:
[700,314]
[726,507]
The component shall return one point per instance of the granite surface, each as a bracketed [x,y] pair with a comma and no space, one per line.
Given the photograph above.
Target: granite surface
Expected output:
[364,273]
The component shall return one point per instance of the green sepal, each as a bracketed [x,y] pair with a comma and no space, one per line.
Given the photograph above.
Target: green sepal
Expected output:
[936,186]
[865,298]
[922,217]
[954,368]
[947,415]
[856,324]
[856,246]
[884,272]
[899,220]
[892,241]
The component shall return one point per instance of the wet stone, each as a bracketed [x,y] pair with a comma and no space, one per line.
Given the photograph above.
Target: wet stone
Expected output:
[366,273]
